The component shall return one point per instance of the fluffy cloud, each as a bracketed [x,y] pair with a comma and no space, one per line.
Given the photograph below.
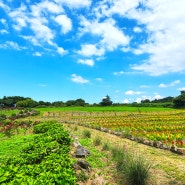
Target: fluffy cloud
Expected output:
[64,22]
[88,62]
[75,3]
[90,50]
[78,79]
[12,45]
[130,92]
[164,21]
[181,89]
[118,73]
[169,85]
[111,36]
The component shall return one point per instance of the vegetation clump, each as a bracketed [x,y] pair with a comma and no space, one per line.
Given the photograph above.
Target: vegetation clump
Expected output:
[133,168]
[45,160]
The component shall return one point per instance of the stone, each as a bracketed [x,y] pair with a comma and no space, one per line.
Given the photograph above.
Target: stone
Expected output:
[181,151]
[81,151]
[173,148]
[84,164]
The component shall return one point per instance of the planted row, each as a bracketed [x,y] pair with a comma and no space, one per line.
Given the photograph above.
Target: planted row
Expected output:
[45,160]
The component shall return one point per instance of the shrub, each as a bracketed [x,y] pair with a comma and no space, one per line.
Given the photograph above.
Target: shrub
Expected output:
[106,146]
[86,134]
[97,141]
[135,169]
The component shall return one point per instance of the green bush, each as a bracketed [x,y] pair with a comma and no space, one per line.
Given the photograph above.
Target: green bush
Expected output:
[45,160]
[135,169]
[97,141]
[86,134]
[106,146]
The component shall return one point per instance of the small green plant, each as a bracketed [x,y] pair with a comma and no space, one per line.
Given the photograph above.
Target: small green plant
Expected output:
[133,168]
[106,146]
[86,134]
[76,128]
[97,141]
[137,170]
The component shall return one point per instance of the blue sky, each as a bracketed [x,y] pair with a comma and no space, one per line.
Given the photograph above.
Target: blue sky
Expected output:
[59,50]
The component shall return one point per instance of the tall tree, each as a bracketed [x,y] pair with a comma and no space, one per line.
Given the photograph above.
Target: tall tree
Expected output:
[106,101]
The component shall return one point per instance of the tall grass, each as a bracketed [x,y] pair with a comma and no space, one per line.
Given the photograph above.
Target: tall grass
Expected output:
[133,168]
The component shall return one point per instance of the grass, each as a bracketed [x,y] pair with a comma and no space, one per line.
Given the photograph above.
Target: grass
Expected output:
[167,168]
[107,108]
[12,146]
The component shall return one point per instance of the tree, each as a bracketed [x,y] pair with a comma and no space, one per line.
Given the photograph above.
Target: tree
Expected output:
[106,101]
[179,101]
[28,103]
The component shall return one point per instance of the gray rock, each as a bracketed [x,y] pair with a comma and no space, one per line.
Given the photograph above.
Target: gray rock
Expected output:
[81,151]
[84,164]
[181,151]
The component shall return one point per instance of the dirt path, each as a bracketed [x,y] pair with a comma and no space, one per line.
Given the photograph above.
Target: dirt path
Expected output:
[167,168]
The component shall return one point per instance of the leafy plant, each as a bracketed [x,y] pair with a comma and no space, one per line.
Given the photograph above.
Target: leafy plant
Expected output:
[97,141]
[86,134]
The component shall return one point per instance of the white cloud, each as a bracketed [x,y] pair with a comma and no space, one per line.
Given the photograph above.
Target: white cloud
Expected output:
[169,85]
[118,73]
[138,100]
[90,50]
[61,51]
[19,17]
[162,85]
[12,45]
[181,89]
[3,31]
[110,7]
[137,29]
[164,21]
[126,101]
[157,96]
[75,3]
[130,92]
[37,54]
[42,32]
[111,36]
[64,22]
[78,79]
[88,62]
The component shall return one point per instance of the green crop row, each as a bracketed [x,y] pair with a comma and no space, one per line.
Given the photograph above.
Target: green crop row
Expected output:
[45,160]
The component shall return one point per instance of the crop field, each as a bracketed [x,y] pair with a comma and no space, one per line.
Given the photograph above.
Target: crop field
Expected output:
[167,127]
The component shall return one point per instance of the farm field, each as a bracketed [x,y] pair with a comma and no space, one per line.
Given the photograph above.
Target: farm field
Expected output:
[164,125]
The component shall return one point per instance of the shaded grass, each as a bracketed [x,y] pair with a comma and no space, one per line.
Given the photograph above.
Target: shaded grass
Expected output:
[12,146]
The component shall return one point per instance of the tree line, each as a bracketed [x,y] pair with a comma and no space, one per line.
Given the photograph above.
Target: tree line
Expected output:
[26,102]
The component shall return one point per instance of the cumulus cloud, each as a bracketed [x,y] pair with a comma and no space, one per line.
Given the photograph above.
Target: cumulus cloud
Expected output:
[88,62]
[181,89]
[118,73]
[78,79]
[90,50]
[37,54]
[61,51]
[64,22]
[162,85]
[75,3]
[11,45]
[137,29]
[164,21]
[111,36]
[130,92]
